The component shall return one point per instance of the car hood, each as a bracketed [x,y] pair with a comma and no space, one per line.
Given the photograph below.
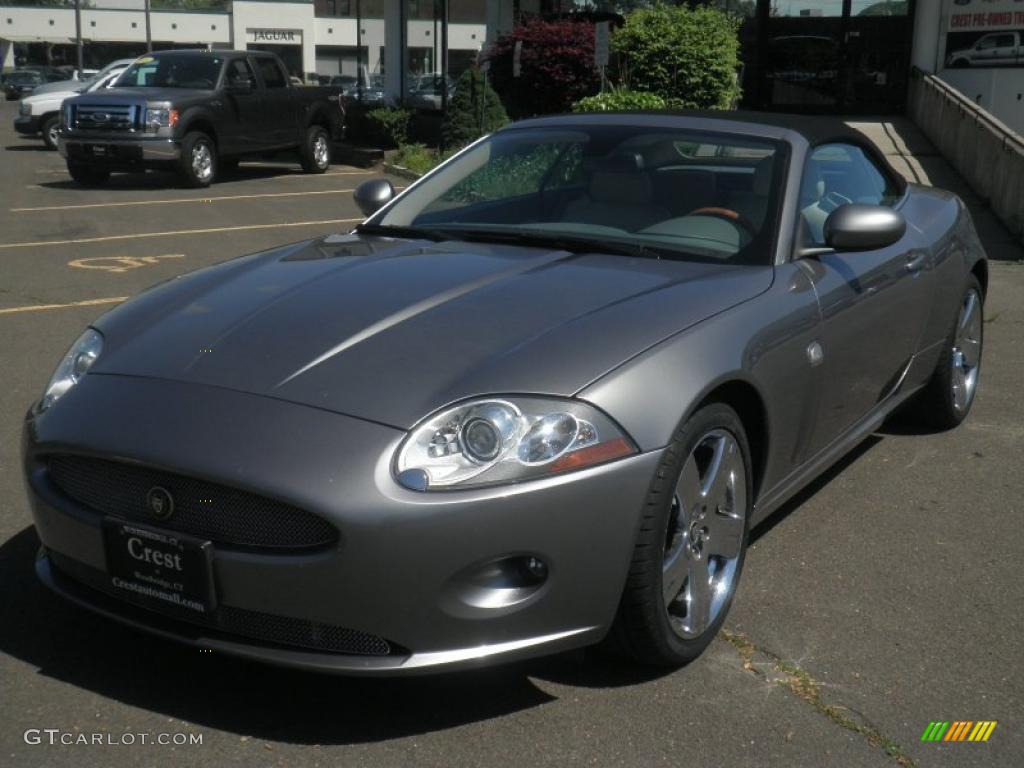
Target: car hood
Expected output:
[119,95]
[391,330]
[48,96]
[69,86]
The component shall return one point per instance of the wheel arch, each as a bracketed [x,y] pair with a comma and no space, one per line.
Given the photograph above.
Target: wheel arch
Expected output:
[744,398]
[980,270]
[201,123]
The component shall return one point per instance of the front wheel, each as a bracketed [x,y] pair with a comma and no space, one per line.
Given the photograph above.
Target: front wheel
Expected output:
[692,543]
[88,175]
[948,397]
[198,163]
[51,131]
[316,151]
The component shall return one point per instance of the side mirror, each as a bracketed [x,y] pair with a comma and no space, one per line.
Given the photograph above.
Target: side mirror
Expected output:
[372,195]
[857,227]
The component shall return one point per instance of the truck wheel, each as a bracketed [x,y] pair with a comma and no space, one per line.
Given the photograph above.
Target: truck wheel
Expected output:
[88,175]
[316,151]
[51,129]
[198,163]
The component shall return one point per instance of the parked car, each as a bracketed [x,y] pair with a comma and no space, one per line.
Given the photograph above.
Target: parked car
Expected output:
[997,49]
[534,402]
[40,113]
[198,112]
[426,91]
[21,82]
[82,84]
[371,95]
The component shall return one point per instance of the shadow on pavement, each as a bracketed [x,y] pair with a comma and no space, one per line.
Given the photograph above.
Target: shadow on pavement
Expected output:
[71,644]
[816,485]
[37,147]
[155,180]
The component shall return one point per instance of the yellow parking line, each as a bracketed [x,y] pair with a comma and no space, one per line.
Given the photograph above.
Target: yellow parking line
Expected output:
[181,200]
[86,303]
[107,238]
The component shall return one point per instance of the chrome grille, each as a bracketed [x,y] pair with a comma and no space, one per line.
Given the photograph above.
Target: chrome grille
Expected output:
[105,117]
[228,517]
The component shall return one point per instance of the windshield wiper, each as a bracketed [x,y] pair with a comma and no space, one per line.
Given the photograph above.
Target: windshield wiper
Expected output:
[407,233]
[557,240]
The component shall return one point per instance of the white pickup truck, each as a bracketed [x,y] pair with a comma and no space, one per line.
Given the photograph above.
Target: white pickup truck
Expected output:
[39,113]
[996,49]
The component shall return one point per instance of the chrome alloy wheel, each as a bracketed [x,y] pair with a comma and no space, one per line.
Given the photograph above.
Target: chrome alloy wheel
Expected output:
[704,538]
[53,134]
[320,151]
[202,161]
[966,358]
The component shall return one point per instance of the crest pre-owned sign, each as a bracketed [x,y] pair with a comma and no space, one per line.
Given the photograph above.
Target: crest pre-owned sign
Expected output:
[985,33]
[281,36]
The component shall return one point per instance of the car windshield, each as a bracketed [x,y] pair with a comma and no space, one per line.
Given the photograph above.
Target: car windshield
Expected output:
[675,193]
[172,70]
[24,78]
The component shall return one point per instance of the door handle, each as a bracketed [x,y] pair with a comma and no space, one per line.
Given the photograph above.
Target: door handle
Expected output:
[915,262]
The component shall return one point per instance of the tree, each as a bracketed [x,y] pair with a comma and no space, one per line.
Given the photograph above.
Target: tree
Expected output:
[556,67]
[473,111]
[688,55]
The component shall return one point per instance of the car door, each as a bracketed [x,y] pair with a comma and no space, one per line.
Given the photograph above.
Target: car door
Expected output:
[278,112]
[241,109]
[874,303]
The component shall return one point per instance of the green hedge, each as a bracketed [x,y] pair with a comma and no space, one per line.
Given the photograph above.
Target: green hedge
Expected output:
[688,55]
[620,100]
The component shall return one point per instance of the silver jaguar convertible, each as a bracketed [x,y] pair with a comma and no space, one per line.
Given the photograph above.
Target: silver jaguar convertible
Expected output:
[534,402]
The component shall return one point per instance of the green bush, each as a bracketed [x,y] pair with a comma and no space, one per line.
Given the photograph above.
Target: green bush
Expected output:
[473,111]
[388,127]
[619,100]
[418,158]
[687,55]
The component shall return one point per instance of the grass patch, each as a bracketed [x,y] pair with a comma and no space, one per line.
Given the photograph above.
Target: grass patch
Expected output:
[798,681]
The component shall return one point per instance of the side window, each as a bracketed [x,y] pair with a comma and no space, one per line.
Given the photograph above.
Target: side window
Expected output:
[272,75]
[986,42]
[835,175]
[240,73]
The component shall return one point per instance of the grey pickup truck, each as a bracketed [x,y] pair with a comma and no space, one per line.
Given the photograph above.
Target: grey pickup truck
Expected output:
[199,112]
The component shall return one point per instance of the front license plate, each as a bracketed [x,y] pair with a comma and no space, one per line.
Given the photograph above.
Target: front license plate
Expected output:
[161,568]
[96,150]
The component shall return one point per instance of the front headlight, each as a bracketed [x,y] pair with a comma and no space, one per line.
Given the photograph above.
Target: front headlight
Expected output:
[67,117]
[506,440]
[24,108]
[161,117]
[73,367]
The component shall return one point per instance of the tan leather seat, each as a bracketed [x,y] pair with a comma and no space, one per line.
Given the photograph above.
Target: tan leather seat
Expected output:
[619,194]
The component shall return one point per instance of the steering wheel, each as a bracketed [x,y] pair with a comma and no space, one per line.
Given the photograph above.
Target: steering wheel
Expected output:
[728,214]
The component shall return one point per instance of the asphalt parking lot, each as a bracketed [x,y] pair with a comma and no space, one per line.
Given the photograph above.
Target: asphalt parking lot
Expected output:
[885,596]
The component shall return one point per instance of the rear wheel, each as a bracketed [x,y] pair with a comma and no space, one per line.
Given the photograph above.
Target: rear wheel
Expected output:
[691,546]
[198,163]
[316,151]
[88,175]
[948,397]
[51,130]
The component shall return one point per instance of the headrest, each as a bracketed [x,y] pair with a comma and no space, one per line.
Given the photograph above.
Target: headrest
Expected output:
[620,179]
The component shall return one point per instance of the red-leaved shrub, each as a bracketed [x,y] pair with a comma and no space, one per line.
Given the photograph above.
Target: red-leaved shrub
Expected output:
[557,67]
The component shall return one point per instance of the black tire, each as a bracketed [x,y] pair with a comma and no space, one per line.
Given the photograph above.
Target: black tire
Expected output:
[49,130]
[88,175]
[936,405]
[642,628]
[198,172]
[316,157]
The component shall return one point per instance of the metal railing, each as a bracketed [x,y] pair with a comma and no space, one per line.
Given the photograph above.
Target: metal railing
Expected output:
[984,150]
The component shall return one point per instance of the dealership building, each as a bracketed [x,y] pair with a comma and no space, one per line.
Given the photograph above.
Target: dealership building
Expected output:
[839,56]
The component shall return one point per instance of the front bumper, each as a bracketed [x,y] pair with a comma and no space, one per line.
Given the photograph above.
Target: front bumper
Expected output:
[400,569]
[28,125]
[119,151]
